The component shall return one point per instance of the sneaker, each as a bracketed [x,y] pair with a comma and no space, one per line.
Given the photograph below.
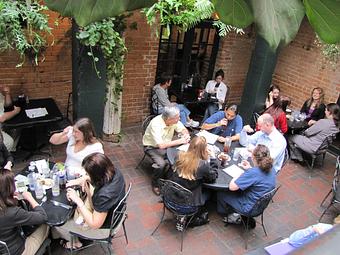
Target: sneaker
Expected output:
[233,218]
[194,124]
[180,223]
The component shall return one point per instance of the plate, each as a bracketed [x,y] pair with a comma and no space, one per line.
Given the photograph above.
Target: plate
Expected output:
[224,156]
[47,183]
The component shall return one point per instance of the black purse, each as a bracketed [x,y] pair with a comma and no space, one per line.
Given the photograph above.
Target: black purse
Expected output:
[200,219]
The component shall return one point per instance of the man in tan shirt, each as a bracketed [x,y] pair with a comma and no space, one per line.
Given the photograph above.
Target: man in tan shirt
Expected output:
[159,136]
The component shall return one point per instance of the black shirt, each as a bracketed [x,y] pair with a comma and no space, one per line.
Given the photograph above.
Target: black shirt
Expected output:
[107,197]
[5,156]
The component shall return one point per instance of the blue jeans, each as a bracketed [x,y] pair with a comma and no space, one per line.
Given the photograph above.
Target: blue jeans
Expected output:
[183,113]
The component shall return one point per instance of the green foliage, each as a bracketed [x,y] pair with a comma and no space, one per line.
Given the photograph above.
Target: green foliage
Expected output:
[182,13]
[324,16]
[331,52]
[234,12]
[224,29]
[106,35]
[87,11]
[24,27]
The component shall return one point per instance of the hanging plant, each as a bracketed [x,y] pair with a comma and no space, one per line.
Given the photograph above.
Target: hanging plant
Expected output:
[24,28]
[184,14]
[107,35]
[331,52]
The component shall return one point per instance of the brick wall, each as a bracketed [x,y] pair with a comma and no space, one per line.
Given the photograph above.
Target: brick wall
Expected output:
[52,78]
[301,67]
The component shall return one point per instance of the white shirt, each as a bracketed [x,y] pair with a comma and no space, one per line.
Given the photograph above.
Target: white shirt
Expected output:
[74,159]
[221,91]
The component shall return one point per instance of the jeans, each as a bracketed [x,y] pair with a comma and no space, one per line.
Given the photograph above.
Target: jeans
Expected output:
[183,113]
[211,109]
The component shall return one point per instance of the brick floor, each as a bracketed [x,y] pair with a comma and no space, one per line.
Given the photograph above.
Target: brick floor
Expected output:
[296,205]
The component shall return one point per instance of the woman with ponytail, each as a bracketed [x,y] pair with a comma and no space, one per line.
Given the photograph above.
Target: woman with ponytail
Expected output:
[247,188]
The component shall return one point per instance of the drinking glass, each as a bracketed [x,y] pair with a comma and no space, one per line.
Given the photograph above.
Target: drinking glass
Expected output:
[39,190]
[70,172]
[55,187]
[31,180]
[227,144]
[46,171]
[236,154]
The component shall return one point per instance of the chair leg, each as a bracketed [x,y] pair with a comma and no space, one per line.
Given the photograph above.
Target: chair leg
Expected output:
[246,233]
[140,162]
[329,192]
[325,211]
[160,221]
[182,234]
[71,249]
[323,158]
[126,238]
[262,223]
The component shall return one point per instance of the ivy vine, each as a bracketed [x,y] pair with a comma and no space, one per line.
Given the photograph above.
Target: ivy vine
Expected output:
[107,35]
[331,52]
[24,27]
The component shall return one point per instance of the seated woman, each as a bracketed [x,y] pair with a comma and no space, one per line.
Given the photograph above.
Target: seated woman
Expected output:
[81,140]
[12,217]
[6,159]
[247,188]
[278,111]
[313,137]
[192,169]
[217,89]
[273,95]
[314,107]
[225,123]
[109,189]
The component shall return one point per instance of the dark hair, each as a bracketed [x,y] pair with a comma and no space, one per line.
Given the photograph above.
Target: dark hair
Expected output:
[164,78]
[334,110]
[219,73]
[278,106]
[1,136]
[7,189]
[262,156]
[86,127]
[99,167]
[271,88]
[232,107]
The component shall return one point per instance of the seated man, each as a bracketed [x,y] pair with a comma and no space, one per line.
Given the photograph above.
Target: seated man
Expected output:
[161,91]
[225,123]
[159,136]
[269,136]
[7,111]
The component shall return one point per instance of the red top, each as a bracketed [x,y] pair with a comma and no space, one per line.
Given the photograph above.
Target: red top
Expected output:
[280,122]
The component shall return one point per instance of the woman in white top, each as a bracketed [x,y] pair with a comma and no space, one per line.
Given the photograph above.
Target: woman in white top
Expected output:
[215,88]
[81,140]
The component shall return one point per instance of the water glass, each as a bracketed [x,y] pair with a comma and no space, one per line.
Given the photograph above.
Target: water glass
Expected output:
[227,144]
[46,171]
[70,172]
[31,180]
[39,190]
[236,154]
[55,187]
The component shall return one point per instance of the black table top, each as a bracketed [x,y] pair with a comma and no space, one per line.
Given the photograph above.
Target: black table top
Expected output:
[190,96]
[21,119]
[297,124]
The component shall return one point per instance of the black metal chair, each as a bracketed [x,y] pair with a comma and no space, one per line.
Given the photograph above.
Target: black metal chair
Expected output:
[254,119]
[285,160]
[45,246]
[105,235]
[154,109]
[322,150]
[335,200]
[257,210]
[145,124]
[179,201]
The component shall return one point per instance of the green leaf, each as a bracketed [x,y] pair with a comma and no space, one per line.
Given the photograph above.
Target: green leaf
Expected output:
[234,12]
[324,16]
[277,21]
[88,11]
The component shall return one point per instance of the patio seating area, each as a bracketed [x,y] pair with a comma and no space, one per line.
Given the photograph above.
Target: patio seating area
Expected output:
[295,206]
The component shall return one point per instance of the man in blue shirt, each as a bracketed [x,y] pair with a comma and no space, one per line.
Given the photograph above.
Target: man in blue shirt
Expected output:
[225,123]
[269,136]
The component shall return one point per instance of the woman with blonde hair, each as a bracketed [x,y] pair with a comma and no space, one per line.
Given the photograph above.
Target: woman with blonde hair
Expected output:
[314,107]
[192,168]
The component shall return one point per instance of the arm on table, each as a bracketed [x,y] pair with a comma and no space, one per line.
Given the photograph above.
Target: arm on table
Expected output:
[8,115]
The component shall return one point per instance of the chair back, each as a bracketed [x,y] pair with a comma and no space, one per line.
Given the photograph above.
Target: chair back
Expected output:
[154,103]
[119,214]
[336,177]
[325,144]
[254,119]
[146,123]
[4,248]
[176,198]
[262,203]
[285,159]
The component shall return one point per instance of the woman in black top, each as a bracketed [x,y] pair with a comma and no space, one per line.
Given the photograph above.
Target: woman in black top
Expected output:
[12,217]
[6,159]
[314,107]
[109,189]
[192,169]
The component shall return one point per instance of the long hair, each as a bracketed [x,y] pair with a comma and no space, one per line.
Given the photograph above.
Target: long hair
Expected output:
[262,157]
[100,169]
[7,189]
[321,99]
[271,89]
[85,125]
[187,163]
[278,106]
[334,110]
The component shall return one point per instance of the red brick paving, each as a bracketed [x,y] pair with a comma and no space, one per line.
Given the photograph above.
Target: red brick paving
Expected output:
[296,205]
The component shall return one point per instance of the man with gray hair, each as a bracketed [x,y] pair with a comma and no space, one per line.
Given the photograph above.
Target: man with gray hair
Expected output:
[269,136]
[159,136]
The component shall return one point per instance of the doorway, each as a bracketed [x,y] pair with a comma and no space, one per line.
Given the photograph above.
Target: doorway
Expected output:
[186,55]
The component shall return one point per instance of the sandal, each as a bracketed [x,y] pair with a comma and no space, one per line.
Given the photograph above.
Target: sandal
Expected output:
[233,218]
[67,245]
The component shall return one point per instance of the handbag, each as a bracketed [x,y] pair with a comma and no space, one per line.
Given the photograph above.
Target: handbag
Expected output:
[200,219]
